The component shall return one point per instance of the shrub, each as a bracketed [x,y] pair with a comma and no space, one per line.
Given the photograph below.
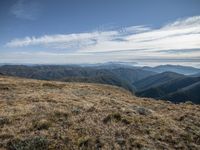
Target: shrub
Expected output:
[51,85]
[76,110]
[3,120]
[41,124]
[117,117]
[33,143]
[61,114]
[114,116]
[84,141]
[126,120]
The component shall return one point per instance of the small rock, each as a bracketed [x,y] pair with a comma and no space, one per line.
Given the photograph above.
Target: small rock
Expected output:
[143,111]
[76,110]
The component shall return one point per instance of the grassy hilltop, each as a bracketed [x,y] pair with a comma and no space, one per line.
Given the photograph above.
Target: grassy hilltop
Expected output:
[37,115]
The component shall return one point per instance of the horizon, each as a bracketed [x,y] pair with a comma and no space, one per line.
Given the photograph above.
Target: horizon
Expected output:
[76,32]
[99,64]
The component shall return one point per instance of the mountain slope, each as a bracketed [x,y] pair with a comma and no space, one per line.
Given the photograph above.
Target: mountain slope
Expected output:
[196,74]
[164,90]
[103,79]
[110,74]
[56,115]
[132,75]
[156,80]
[190,92]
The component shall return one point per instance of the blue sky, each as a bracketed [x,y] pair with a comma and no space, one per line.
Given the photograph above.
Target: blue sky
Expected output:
[93,31]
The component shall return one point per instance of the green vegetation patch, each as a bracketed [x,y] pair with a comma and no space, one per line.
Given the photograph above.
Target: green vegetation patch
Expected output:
[33,143]
[41,124]
[117,117]
[3,121]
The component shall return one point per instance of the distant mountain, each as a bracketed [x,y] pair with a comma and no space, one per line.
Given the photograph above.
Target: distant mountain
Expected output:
[113,74]
[110,65]
[173,68]
[156,80]
[174,87]
[132,74]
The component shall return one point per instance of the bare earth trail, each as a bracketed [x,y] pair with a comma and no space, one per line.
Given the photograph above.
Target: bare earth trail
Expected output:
[37,115]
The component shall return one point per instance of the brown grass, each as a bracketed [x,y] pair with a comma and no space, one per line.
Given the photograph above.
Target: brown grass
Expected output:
[52,115]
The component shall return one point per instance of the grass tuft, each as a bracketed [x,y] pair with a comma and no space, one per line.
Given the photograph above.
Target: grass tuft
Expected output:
[33,143]
[42,124]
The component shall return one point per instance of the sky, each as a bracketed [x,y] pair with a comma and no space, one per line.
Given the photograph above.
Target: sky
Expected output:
[138,32]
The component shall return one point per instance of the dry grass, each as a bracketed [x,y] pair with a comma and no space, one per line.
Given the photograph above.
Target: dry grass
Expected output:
[53,115]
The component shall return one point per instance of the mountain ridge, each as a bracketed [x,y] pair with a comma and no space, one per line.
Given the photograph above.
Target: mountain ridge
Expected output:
[156,80]
[54,72]
[187,70]
[164,90]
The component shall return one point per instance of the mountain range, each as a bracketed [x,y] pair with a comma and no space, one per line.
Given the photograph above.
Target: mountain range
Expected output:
[112,73]
[187,70]
[168,82]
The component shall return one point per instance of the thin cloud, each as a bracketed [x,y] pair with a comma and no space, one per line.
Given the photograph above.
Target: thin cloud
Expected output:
[128,42]
[90,37]
[68,38]
[26,9]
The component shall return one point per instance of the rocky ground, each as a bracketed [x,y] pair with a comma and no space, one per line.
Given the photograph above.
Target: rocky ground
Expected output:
[39,115]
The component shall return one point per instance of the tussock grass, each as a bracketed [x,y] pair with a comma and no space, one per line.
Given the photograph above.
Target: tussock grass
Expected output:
[51,115]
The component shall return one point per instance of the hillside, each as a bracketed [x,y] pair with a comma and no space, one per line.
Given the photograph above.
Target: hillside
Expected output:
[102,79]
[40,115]
[132,75]
[196,75]
[184,94]
[57,72]
[166,90]
[112,74]
[156,80]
